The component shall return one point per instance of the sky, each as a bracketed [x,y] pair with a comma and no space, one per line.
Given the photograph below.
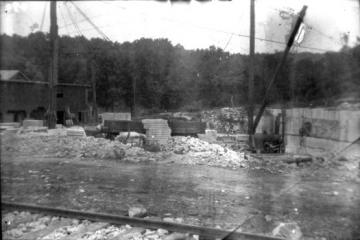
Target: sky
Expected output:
[328,24]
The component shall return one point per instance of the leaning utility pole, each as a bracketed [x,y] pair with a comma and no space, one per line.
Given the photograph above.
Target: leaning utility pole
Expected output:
[251,73]
[277,70]
[53,66]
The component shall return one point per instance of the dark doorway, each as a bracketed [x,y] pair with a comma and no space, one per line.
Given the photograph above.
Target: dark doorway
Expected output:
[19,115]
[60,115]
[80,117]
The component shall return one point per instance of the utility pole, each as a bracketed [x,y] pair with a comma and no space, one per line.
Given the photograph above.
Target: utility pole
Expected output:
[133,97]
[93,83]
[278,67]
[251,74]
[53,66]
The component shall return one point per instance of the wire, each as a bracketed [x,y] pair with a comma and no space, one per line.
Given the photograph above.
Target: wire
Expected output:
[227,32]
[202,27]
[308,25]
[72,19]
[92,29]
[224,48]
[216,30]
[323,34]
[62,16]
[91,23]
[80,21]
[43,16]
[243,36]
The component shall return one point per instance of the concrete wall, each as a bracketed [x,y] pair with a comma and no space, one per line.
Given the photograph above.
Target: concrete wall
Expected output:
[332,130]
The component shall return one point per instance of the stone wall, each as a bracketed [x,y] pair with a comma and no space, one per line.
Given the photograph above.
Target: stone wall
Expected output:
[331,130]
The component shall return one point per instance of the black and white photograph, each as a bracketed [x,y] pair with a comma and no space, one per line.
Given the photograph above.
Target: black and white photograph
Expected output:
[180,119]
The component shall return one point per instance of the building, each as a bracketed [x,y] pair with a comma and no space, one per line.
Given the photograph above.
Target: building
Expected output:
[21,98]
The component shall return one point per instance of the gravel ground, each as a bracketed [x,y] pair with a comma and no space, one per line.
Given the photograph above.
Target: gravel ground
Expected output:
[323,202]
[24,225]
[87,173]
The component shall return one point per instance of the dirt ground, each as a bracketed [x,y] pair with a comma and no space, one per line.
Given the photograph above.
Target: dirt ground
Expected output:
[323,202]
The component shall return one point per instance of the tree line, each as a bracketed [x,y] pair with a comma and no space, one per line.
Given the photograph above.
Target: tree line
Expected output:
[156,75]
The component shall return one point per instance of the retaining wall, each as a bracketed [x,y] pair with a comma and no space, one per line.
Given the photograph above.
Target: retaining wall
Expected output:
[331,130]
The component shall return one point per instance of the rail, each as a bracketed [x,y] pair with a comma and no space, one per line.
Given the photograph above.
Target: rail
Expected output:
[203,232]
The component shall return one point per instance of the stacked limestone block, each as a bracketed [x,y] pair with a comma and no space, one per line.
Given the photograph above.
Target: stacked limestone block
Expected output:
[157,131]
[76,132]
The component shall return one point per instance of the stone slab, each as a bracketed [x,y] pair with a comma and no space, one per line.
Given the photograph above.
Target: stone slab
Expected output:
[32,123]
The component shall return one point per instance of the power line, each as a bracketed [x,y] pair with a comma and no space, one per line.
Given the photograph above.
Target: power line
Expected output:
[80,21]
[91,23]
[72,19]
[215,30]
[323,34]
[86,18]
[228,42]
[243,35]
[62,15]
[293,14]
[43,17]
[281,43]
[90,29]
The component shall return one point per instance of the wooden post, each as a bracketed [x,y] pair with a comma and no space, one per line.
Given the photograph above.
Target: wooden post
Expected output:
[277,70]
[251,74]
[133,108]
[283,128]
[93,84]
[54,45]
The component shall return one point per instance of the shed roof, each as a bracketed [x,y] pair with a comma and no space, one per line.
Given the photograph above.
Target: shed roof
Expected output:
[10,75]
[7,75]
[16,76]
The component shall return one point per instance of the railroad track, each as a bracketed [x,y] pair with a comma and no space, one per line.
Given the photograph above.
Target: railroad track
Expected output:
[30,222]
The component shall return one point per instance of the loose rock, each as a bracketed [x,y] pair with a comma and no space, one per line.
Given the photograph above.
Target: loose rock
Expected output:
[176,236]
[290,231]
[137,211]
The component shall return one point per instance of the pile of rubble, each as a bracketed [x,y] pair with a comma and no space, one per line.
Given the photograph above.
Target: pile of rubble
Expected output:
[197,151]
[23,225]
[58,143]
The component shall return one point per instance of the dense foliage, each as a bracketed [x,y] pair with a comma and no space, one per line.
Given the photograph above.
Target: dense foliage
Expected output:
[168,77]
